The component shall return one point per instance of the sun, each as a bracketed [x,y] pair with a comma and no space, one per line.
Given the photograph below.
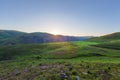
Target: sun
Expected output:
[55,32]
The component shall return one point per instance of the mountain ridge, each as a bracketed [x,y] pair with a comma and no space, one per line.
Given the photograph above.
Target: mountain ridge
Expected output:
[11,37]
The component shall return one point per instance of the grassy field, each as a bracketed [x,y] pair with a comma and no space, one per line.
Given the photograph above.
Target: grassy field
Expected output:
[61,61]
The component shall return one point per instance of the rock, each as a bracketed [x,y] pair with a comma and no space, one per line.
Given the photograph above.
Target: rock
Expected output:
[16,72]
[77,78]
[43,67]
[63,76]
[26,70]
[85,73]
[1,79]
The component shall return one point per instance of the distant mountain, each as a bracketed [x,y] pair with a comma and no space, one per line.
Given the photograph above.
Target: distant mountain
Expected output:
[108,37]
[11,37]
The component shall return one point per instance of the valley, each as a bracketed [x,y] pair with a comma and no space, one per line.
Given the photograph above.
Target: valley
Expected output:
[84,60]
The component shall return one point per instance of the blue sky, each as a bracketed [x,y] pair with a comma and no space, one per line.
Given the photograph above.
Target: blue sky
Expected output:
[69,17]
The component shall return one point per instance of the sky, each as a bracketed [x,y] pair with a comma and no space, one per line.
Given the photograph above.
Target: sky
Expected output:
[68,17]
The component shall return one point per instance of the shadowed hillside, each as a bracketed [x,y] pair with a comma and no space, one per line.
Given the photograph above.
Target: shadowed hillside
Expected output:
[14,37]
[4,34]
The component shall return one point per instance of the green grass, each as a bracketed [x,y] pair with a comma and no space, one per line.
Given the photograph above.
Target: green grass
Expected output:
[115,44]
[88,60]
[106,38]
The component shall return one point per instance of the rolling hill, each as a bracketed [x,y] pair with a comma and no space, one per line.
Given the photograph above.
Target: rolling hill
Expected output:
[115,35]
[115,44]
[107,38]
[111,41]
